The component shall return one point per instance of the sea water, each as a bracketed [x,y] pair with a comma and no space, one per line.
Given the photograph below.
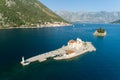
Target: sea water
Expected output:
[103,64]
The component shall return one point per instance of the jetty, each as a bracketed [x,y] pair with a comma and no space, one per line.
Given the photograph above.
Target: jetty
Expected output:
[73,49]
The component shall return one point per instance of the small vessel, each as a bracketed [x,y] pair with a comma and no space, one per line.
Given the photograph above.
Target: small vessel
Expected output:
[84,25]
[100,32]
[73,25]
[23,62]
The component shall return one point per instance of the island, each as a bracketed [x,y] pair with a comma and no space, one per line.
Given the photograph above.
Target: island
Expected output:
[72,49]
[100,32]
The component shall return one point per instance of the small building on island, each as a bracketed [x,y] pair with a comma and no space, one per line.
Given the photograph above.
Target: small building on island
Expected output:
[75,44]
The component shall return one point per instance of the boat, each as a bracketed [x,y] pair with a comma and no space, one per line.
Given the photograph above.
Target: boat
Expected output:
[73,25]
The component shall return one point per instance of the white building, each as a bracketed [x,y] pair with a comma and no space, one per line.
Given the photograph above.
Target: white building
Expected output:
[75,44]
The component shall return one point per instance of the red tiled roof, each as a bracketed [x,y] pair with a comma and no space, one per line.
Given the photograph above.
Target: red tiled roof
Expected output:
[69,51]
[71,41]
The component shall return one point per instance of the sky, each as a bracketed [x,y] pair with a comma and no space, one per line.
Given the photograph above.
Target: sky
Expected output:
[83,5]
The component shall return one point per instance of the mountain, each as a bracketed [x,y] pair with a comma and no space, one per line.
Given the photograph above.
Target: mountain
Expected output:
[116,22]
[26,13]
[89,17]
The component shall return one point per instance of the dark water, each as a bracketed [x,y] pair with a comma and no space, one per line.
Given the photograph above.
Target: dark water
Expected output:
[104,64]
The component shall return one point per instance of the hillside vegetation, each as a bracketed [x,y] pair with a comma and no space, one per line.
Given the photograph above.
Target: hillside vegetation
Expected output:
[25,13]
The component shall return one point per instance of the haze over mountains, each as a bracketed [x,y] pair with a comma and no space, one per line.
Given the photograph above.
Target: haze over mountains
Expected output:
[89,17]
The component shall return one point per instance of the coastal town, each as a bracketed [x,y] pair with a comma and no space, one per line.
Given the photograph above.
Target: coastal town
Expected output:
[72,49]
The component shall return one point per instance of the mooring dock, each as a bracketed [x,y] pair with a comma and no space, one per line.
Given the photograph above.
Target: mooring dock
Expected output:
[44,56]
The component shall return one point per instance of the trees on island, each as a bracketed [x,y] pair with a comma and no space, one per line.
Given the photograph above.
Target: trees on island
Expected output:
[100,30]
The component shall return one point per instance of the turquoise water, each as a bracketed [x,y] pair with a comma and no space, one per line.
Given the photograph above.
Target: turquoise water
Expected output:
[104,64]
